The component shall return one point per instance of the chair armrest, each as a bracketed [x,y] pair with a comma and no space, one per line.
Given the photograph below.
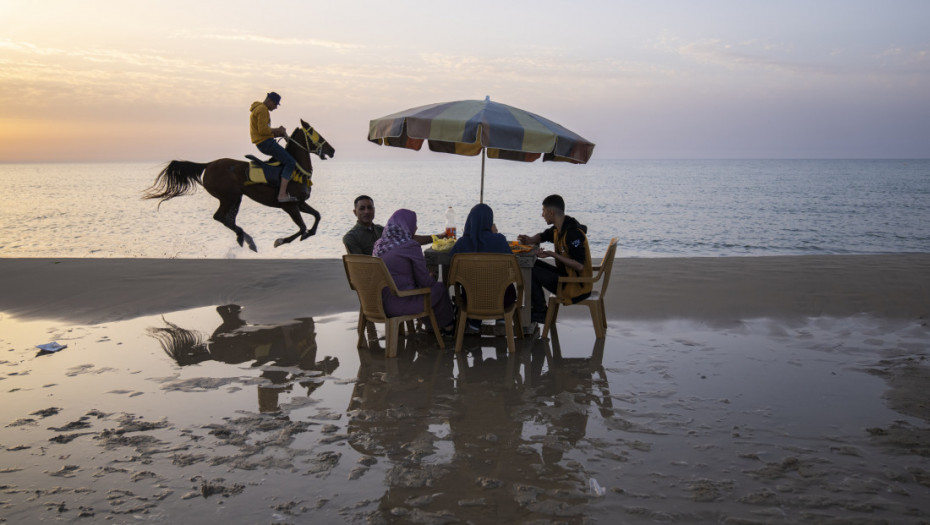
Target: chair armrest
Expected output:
[415,291]
[579,279]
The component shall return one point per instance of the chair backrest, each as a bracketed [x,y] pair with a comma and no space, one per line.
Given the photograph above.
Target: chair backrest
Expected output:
[485,278]
[368,276]
[607,263]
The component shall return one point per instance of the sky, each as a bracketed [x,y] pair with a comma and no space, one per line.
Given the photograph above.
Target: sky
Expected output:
[130,80]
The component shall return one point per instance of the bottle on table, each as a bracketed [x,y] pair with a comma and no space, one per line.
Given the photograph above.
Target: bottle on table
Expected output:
[450,224]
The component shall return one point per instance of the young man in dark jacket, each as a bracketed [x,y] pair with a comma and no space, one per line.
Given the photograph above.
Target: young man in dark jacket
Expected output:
[571,253]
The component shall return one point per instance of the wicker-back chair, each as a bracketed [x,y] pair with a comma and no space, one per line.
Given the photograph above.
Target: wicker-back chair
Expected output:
[484,278]
[595,302]
[368,275]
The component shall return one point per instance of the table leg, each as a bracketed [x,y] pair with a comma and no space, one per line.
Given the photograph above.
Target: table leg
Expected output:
[526,313]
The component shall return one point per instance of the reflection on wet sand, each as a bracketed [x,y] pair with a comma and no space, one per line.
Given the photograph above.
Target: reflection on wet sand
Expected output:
[483,431]
[288,353]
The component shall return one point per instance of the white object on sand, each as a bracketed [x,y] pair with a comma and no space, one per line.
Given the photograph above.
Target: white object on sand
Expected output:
[596,487]
[51,347]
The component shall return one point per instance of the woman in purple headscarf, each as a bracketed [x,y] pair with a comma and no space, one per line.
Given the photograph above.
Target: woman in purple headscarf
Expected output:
[404,259]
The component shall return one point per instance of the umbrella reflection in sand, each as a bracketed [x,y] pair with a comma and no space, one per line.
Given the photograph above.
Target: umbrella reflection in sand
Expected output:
[465,431]
[279,348]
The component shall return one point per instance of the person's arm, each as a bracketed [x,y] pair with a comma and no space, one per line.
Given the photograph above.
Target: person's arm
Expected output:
[351,243]
[576,252]
[262,120]
[567,261]
[528,240]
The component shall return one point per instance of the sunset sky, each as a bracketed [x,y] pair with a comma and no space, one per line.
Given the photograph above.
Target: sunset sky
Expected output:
[155,81]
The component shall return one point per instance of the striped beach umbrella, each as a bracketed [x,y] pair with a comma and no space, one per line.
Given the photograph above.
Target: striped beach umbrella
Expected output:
[470,127]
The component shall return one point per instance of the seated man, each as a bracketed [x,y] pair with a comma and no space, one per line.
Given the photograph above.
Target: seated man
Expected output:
[572,257]
[362,237]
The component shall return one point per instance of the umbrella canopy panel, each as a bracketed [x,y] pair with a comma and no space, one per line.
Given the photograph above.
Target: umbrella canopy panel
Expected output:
[467,127]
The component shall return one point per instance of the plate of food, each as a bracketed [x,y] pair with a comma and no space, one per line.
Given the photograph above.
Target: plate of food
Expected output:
[516,247]
[443,245]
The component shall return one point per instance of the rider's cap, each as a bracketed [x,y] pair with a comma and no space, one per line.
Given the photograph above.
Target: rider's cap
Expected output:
[276,98]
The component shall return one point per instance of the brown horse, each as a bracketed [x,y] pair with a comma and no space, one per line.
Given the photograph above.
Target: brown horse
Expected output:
[226,179]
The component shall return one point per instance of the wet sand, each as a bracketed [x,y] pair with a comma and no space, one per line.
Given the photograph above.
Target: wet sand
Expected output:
[731,390]
[724,288]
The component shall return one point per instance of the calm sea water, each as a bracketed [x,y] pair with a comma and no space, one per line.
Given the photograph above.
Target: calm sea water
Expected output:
[664,208]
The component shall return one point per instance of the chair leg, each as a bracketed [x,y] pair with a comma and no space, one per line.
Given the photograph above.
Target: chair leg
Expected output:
[518,323]
[603,313]
[508,324]
[460,330]
[432,320]
[372,330]
[596,320]
[551,313]
[392,328]
[363,323]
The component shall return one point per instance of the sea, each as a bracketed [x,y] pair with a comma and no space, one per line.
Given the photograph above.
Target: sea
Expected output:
[656,208]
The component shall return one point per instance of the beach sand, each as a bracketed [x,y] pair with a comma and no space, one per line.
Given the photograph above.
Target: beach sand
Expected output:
[728,390]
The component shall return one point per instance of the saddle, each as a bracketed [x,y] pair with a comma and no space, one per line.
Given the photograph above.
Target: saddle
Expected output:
[268,171]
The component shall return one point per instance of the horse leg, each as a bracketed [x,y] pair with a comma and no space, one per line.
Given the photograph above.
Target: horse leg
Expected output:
[306,208]
[226,214]
[294,212]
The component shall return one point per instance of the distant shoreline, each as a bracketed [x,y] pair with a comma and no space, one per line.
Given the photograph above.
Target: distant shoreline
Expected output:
[713,289]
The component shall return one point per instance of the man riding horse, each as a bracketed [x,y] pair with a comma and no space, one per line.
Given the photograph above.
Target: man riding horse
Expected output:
[263,136]
[228,180]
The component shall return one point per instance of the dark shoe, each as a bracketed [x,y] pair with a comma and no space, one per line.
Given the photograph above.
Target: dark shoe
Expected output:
[472,328]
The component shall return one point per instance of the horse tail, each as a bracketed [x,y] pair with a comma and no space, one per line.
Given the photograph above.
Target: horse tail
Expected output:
[179,178]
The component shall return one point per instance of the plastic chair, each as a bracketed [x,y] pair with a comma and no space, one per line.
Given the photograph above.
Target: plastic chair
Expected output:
[370,327]
[595,302]
[368,275]
[484,278]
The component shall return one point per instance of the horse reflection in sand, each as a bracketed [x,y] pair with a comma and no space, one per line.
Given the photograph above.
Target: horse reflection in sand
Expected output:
[287,352]
[466,431]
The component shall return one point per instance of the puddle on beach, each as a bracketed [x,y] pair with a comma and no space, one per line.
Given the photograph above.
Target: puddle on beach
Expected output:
[199,415]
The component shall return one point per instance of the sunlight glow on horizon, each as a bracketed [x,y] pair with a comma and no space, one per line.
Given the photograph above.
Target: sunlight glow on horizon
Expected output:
[106,80]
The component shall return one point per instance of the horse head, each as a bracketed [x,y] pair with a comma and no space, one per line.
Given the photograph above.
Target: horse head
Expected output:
[310,140]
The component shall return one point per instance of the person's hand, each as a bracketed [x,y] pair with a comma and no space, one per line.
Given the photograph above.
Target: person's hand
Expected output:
[543,253]
[494,228]
[523,239]
[281,131]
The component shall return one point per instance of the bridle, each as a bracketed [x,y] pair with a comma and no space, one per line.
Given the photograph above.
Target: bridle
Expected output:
[310,136]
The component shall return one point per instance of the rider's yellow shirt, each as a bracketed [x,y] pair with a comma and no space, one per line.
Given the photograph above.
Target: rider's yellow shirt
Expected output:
[260,123]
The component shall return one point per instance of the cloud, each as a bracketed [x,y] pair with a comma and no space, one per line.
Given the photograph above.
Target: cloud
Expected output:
[748,55]
[262,39]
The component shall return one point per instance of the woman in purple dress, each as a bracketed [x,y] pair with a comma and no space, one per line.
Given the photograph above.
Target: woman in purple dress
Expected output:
[403,257]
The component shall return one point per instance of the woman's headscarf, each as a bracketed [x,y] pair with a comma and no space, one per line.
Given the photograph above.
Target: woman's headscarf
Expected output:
[478,236]
[397,232]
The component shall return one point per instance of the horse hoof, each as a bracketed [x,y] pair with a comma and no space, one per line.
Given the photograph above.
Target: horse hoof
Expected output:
[278,242]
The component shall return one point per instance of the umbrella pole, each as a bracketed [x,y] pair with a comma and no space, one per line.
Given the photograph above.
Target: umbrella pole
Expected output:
[482,176]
